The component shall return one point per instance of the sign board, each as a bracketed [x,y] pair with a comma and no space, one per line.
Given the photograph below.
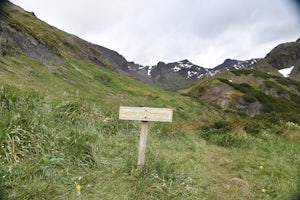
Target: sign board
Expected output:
[146,114]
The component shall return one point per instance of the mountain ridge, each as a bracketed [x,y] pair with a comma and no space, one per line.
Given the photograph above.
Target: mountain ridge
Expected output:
[184,71]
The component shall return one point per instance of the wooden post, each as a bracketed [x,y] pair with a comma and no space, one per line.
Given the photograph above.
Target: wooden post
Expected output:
[142,144]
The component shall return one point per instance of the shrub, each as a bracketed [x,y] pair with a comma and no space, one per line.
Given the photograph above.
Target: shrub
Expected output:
[249,98]
[242,72]
[223,138]
[253,127]
[263,75]
[243,87]
[222,125]
[272,85]
[295,98]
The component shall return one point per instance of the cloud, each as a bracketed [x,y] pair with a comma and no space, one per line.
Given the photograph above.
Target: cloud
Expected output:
[148,31]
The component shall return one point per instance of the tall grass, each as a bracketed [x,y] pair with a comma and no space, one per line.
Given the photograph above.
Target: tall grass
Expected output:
[48,147]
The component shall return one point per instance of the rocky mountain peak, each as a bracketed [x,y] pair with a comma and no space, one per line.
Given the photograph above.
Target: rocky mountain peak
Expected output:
[230,64]
[284,55]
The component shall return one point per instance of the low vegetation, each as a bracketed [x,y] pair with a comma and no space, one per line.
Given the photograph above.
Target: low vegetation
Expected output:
[72,148]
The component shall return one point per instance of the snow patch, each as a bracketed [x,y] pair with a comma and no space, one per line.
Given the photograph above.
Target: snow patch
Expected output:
[200,76]
[253,62]
[191,73]
[130,68]
[149,71]
[286,71]
[176,69]
[188,66]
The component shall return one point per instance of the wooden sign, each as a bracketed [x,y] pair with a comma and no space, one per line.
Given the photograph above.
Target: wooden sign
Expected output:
[145,114]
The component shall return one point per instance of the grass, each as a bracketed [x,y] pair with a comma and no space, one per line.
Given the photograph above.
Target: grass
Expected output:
[54,138]
[53,145]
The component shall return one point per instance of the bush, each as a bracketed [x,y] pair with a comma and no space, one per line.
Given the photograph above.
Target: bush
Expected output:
[225,133]
[223,138]
[263,75]
[295,98]
[242,87]
[222,125]
[253,127]
[249,98]
[242,72]
[272,85]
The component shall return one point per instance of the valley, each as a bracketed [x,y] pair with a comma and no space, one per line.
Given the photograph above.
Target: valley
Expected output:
[235,132]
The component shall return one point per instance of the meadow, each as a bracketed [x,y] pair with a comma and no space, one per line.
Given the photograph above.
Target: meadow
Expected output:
[70,148]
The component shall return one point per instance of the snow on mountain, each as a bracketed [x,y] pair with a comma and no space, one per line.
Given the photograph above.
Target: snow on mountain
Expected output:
[182,70]
[286,71]
[229,64]
[176,69]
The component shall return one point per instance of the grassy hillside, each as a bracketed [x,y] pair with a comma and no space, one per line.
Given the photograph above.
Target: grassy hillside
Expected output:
[61,138]
[50,146]
[252,92]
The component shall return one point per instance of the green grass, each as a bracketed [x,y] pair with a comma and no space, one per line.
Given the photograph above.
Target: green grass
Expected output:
[53,145]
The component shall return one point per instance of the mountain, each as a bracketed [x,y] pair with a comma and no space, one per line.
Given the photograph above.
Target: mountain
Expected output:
[171,76]
[182,74]
[230,64]
[271,85]
[284,55]
[282,60]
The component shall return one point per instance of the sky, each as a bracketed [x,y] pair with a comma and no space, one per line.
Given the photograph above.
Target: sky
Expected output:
[205,32]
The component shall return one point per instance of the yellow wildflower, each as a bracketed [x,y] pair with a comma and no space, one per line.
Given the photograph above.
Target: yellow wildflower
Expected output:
[78,187]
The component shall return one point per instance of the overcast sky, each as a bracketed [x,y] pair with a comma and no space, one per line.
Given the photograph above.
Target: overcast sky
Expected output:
[206,32]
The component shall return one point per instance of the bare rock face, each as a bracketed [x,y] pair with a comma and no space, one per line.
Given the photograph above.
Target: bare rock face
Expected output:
[216,94]
[284,55]
[13,40]
[240,104]
[295,73]
[221,94]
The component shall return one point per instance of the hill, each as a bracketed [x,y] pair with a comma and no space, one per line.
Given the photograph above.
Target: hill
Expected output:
[262,89]
[61,138]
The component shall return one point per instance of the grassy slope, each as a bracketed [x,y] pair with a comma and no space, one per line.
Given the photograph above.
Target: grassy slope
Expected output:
[59,128]
[49,147]
[276,95]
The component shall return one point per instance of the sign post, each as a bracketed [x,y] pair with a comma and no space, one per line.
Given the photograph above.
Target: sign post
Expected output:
[142,143]
[145,114]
